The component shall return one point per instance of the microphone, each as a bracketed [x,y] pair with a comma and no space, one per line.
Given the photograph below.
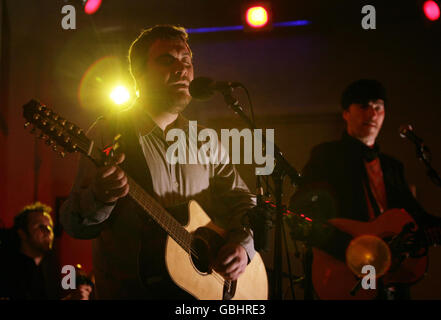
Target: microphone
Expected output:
[406,131]
[203,88]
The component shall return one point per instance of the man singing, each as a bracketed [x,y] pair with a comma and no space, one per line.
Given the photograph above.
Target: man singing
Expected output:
[161,64]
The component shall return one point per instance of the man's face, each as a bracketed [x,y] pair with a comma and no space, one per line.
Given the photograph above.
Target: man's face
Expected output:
[167,75]
[40,235]
[364,121]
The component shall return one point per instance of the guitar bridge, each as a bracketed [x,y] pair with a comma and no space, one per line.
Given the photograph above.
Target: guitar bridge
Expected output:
[229,289]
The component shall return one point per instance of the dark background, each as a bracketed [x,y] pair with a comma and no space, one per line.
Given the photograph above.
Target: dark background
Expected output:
[295,77]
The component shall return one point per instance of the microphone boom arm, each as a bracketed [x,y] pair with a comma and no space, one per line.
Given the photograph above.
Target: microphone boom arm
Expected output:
[282,168]
[281,164]
[422,151]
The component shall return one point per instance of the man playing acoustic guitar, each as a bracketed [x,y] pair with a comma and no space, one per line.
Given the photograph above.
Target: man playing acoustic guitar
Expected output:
[352,179]
[125,244]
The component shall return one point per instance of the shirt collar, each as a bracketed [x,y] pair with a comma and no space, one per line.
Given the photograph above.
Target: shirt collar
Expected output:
[145,125]
[360,149]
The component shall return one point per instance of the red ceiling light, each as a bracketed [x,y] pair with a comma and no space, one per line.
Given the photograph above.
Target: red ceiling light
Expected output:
[257,16]
[431,10]
[92,6]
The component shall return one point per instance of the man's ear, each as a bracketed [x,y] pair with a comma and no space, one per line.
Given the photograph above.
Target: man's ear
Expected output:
[345,114]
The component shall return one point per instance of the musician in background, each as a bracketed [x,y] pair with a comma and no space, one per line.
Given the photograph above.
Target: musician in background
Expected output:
[28,269]
[353,178]
[161,64]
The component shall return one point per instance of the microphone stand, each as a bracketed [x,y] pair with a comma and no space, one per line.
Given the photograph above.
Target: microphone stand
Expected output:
[281,170]
[424,154]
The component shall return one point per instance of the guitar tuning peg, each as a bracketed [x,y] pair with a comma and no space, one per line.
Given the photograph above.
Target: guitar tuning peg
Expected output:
[27,124]
[117,137]
[115,145]
[42,136]
[55,117]
[54,147]
[62,154]
[71,126]
[49,142]
[36,116]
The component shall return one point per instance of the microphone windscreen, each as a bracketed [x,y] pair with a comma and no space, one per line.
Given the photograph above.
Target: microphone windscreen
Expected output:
[201,88]
[404,128]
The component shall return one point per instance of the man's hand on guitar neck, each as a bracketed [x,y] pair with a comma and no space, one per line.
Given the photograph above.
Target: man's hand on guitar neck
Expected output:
[110,182]
[231,261]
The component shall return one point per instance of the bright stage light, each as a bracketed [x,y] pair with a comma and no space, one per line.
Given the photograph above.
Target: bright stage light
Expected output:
[431,10]
[120,95]
[257,17]
[92,6]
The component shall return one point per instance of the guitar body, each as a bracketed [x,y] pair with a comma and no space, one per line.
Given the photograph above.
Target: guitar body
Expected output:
[152,268]
[332,279]
[251,285]
[179,275]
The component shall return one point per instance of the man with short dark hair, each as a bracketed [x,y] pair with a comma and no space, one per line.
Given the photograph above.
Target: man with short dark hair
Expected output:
[352,179]
[161,64]
[28,270]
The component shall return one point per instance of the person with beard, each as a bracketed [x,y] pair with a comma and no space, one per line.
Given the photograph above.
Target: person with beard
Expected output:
[28,270]
[160,62]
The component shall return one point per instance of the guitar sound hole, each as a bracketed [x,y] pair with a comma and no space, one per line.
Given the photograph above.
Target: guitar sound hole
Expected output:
[201,255]
[205,246]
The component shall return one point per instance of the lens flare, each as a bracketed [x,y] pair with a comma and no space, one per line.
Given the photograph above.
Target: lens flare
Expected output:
[431,10]
[368,250]
[120,95]
[92,6]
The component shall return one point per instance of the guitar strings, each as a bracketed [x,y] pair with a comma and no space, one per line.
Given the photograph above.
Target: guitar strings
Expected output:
[138,194]
[141,197]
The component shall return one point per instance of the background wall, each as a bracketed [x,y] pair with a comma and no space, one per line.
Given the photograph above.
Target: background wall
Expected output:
[295,77]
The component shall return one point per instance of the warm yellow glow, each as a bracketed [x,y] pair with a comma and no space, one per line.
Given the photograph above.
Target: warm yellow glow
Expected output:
[368,250]
[120,95]
[257,16]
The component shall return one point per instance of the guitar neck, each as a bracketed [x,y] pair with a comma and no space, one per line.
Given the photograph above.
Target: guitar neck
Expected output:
[161,216]
[63,133]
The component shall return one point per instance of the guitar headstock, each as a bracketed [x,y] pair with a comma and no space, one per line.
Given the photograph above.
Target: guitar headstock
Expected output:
[56,130]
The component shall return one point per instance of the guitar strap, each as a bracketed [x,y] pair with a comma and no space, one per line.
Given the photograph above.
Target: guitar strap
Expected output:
[152,242]
[134,164]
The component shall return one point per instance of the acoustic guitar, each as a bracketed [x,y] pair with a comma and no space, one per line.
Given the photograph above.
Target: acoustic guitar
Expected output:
[189,249]
[406,262]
